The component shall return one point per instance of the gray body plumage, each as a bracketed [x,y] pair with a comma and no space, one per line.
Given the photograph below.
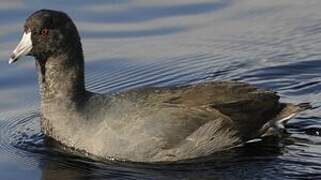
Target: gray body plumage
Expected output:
[144,125]
[154,124]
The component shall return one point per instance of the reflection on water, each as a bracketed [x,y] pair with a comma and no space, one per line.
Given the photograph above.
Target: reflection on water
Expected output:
[134,43]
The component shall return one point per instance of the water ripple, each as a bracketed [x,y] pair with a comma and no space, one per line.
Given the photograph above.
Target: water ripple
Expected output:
[133,43]
[20,136]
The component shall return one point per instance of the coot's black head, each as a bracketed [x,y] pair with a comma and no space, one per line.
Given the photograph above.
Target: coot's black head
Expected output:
[47,33]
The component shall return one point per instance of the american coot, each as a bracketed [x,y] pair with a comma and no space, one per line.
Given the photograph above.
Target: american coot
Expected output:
[144,125]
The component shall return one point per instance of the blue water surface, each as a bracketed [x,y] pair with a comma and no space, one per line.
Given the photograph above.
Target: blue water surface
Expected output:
[133,43]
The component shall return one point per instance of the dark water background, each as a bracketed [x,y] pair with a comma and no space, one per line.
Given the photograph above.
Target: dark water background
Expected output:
[273,44]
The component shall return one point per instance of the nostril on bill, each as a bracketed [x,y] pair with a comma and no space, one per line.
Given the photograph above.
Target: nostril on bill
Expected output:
[13,56]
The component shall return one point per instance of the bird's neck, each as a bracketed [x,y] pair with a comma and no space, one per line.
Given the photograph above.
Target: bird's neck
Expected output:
[61,79]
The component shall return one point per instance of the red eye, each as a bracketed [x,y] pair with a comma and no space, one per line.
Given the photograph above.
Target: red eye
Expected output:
[44,32]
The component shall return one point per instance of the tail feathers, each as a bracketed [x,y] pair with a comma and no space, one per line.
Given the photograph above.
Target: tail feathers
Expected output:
[288,111]
[304,106]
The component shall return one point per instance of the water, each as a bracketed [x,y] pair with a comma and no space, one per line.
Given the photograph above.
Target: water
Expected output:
[133,43]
